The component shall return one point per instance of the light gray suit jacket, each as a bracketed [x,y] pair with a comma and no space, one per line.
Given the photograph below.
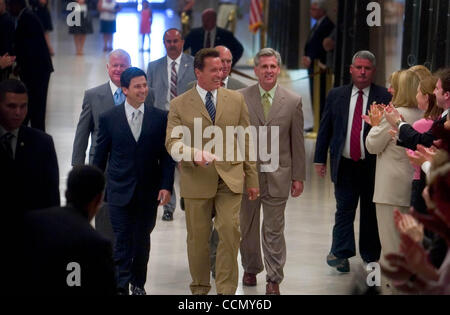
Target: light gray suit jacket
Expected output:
[285,113]
[158,80]
[96,101]
[232,84]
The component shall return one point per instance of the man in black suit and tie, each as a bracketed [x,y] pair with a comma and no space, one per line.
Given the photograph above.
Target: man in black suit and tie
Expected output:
[408,137]
[34,61]
[209,36]
[139,176]
[343,130]
[28,163]
[58,242]
[314,49]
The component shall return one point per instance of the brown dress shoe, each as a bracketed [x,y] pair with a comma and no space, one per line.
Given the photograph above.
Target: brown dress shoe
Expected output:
[272,288]
[249,279]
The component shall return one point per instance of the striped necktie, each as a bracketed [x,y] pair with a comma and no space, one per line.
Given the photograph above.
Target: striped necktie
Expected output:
[355,137]
[210,106]
[173,81]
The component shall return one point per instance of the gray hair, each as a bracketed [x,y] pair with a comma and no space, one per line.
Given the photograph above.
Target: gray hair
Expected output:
[119,53]
[321,4]
[267,52]
[365,54]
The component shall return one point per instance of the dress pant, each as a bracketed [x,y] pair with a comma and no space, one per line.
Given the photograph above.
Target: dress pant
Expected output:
[272,231]
[199,225]
[132,225]
[103,223]
[355,182]
[37,86]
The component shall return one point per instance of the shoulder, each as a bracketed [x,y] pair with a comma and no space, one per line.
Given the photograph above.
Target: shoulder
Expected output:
[111,112]
[186,57]
[157,62]
[291,95]
[97,89]
[252,89]
[223,32]
[34,134]
[156,112]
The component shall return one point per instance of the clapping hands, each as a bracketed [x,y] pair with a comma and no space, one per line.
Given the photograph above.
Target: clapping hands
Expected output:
[375,116]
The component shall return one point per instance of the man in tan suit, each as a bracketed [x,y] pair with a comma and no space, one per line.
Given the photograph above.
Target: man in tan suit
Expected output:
[273,107]
[210,179]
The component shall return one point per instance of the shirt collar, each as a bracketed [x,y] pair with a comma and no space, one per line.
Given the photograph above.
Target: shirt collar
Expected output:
[203,92]
[355,91]
[113,87]
[226,81]
[130,109]
[14,132]
[271,92]
[445,112]
[170,60]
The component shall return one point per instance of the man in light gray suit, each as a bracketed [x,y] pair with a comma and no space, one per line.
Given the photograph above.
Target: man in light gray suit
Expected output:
[274,107]
[168,77]
[227,81]
[96,101]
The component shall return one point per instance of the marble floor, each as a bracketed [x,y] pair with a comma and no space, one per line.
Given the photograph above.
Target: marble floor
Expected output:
[309,219]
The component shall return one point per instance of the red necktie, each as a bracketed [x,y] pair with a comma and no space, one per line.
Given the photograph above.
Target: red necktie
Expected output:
[355,139]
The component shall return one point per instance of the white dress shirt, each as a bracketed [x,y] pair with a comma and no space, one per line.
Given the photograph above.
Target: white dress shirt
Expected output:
[129,110]
[113,87]
[169,75]
[351,112]
[203,93]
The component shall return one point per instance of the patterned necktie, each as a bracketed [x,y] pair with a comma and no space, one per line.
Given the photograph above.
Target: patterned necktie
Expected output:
[136,124]
[173,81]
[266,104]
[208,40]
[210,106]
[5,142]
[355,139]
[119,97]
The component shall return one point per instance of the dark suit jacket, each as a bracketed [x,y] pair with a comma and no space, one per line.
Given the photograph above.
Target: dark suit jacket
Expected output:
[194,41]
[143,166]
[409,138]
[33,56]
[55,237]
[333,126]
[313,47]
[32,178]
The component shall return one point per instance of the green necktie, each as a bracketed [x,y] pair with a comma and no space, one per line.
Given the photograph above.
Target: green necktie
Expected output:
[266,104]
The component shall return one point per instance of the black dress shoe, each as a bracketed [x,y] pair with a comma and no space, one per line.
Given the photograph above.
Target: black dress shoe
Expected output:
[341,264]
[167,216]
[137,291]
[123,291]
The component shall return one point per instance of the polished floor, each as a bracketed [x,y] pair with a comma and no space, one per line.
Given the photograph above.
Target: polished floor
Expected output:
[309,219]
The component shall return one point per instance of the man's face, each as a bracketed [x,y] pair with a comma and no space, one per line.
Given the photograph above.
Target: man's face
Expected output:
[2,6]
[117,64]
[137,91]
[267,72]
[442,98]
[227,60]
[13,110]
[211,76]
[316,12]
[173,43]
[209,20]
[362,71]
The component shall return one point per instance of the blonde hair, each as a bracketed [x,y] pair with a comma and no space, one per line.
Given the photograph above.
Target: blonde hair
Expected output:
[405,96]
[421,71]
[393,80]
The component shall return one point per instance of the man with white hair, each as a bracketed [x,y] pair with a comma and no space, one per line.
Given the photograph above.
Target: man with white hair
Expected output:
[314,49]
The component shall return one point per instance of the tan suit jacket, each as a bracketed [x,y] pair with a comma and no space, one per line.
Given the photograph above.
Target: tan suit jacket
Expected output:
[394,173]
[286,113]
[231,110]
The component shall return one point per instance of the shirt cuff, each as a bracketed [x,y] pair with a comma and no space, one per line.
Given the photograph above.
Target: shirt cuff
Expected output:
[426,167]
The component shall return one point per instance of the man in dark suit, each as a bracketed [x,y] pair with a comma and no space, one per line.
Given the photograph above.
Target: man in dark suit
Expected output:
[352,167]
[209,36]
[314,49]
[28,163]
[140,173]
[408,137]
[34,61]
[63,254]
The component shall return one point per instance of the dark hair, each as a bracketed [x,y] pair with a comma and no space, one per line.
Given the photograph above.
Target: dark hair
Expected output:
[444,75]
[129,74]
[84,183]
[173,29]
[11,86]
[202,54]
[20,3]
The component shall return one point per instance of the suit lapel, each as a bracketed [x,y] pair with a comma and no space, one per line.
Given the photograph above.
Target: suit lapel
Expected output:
[221,101]
[123,122]
[146,122]
[345,110]
[277,105]
[255,103]
[106,98]
[182,68]
[165,78]
[21,145]
[196,102]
